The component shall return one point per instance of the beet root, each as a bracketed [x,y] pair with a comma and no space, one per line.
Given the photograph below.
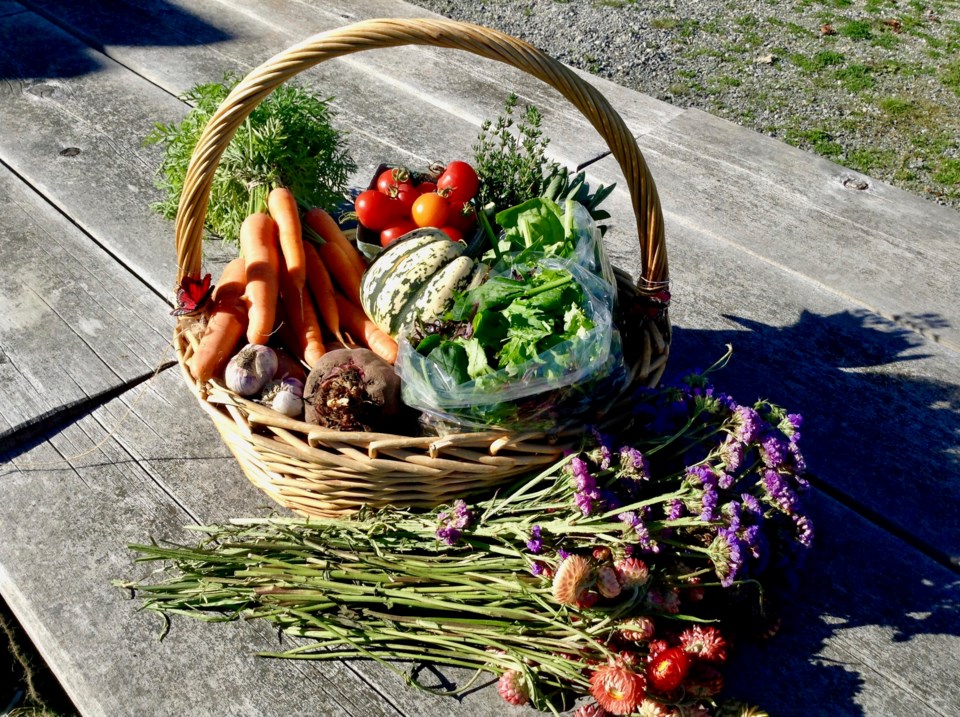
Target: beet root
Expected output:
[351,390]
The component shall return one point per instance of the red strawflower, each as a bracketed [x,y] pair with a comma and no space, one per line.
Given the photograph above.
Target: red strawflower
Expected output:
[632,572]
[668,668]
[617,689]
[656,647]
[637,629]
[513,688]
[704,643]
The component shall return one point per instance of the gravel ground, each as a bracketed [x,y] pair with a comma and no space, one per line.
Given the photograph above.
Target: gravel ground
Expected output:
[873,84]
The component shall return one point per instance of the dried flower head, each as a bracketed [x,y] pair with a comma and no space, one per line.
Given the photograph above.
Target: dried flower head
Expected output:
[651,708]
[591,709]
[632,572]
[573,578]
[667,670]
[607,582]
[513,688]
[704,643]
[617,689]
[638,629]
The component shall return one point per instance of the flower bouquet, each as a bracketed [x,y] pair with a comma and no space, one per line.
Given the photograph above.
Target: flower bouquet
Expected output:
[622,573]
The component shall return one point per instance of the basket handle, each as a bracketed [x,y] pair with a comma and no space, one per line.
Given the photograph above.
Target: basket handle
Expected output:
[383,33]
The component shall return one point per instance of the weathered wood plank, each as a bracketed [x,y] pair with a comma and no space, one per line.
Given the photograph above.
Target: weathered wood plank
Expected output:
[73,322]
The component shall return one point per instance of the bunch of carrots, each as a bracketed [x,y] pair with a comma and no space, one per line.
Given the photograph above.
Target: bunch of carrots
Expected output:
[305,292]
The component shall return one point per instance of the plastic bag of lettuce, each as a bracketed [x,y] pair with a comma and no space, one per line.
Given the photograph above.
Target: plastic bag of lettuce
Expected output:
[535,346]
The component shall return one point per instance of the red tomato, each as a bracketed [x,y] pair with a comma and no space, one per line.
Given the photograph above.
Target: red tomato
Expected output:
[462,216]
[452,232]
[406,194]
[430,210]
[459,182]
[391,178]
[392,233]
[376,210]
[426,187]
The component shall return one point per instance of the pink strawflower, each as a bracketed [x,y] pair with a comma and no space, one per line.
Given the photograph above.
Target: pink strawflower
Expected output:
[591,709]
[704,643]
[513,688]
[632,572]
[572,580]
[638,629]
[607,582]
[652,708]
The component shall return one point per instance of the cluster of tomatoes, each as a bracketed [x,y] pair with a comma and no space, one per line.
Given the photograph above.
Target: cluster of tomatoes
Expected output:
[399,205]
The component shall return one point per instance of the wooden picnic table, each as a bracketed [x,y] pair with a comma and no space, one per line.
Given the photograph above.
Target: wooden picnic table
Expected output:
[839,294]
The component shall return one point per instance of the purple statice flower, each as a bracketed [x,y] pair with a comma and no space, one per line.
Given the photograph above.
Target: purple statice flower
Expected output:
[779,492]
[752,504]
[535,544]
[452,524]
[702,475]
[536,568]
[734,510]
[676,509]
[731,454]
[804,530]
[644,539]
[748,424]
[726,481]
[708,505]
[726,552]
[790,425]
[800,465]
[562,554]
[602,455]
[633,464]
[756,544]
[586,486]
[773,451]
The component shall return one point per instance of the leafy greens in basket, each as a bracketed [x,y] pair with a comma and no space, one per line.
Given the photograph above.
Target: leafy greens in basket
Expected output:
[288,140]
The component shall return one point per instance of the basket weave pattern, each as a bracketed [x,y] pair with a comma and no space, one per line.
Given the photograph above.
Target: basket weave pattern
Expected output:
[317,471]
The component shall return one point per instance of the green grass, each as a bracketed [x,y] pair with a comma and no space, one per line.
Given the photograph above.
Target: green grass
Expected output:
[855,78]
[820,140]
[951,77]
[818,61]
[664,23]
[856,30]
[896,107]
[948,172]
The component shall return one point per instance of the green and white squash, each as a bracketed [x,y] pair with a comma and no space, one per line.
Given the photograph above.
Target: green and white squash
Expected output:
[417,277]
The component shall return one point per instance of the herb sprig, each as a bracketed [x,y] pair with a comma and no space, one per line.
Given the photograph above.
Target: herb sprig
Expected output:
[288,140]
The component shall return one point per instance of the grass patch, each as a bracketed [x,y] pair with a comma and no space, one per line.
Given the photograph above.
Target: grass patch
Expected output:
[948,172]
[886,40]
[818,139]
[896,107]
[817,62]
[664,23]
[855,78]
[856,30]
[951,77]
[872,161]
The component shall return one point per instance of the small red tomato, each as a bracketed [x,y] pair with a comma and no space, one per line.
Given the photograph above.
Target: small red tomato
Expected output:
[668,668]
[406,194]
[389,178]
[430,210]
[452,232]
[376,210]
[426,187]
[459,182]
[392,233]
[462,216]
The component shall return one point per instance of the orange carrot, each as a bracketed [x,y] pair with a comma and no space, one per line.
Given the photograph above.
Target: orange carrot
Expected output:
[298,308]
[258,245]
[363,329]
[286,213]
[318,278]
[327,227]
[341,270]
[227,324]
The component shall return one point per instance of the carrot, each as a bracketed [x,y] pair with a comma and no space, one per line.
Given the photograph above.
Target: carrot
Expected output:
[341,271]
[327,227]
[258,245]
[318,278]
[286,213]
[363,329]
[226,326]
[299,311]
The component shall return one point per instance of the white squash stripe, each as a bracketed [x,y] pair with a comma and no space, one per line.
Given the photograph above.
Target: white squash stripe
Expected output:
[383,265]
[436,296]
[410,274]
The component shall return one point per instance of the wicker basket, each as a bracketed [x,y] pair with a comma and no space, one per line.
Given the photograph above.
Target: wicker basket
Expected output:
[317,471]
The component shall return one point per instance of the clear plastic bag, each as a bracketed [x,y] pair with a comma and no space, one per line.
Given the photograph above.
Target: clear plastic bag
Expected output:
[559,386]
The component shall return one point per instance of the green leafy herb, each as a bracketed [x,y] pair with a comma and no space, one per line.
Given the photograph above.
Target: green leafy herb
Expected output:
[510,157]
[288,140]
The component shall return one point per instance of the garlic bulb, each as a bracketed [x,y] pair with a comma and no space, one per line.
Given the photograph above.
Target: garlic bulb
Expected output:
[250,370]
[285,396]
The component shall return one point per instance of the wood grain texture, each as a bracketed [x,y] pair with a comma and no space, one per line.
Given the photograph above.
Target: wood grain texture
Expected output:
[73,322]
